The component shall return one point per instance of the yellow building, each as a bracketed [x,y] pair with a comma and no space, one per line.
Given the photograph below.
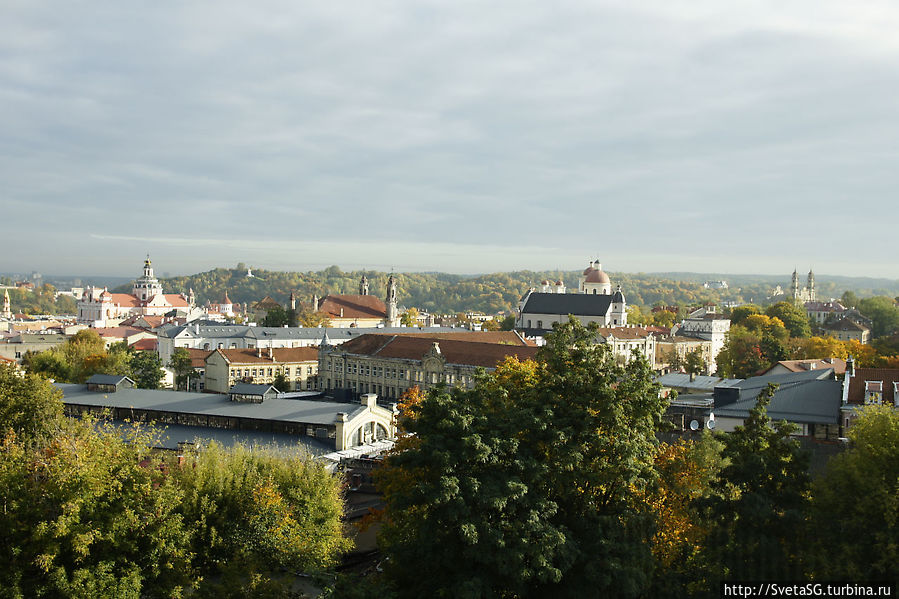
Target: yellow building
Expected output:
[299,365]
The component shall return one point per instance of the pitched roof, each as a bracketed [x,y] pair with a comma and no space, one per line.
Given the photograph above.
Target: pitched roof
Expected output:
[107,379]
[251,389]
[198,356]
[579,304]
[280,355]
[846,324]
[176,300]
[499,337]
[118,332]
[455,351]
[838,365]
[889,376]
[354,306]
[808,396]
[266,303]
[144,345]
[623,332]
[125,300]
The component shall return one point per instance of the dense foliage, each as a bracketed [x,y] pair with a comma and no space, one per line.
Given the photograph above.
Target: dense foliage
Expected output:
[85,354]
[530,484]
[88,509]
[41,300]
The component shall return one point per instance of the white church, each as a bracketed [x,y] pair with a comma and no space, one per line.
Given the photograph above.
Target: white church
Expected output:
[99,308]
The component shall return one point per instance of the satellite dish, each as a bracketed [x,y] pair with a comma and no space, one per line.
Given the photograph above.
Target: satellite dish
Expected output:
[710,424]
[694,425]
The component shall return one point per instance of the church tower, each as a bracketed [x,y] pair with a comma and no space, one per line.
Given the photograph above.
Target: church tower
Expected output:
[811,286]
[794,286]
[7,309]
[392,316]
[363,286]
[148,285]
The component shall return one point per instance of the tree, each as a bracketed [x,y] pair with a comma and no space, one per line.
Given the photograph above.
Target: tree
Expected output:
[89,513]
[687,472]
[525,485]
[883,312]
[275,317]
[741,355]
[258,513]
[308,318]
[758,513]
[146,369]
[508,323]
[694,362]
[793,317]
[741,313]
[849,299]
[182,365]
[281,383]
[409,317]
[30,406]
[854,503]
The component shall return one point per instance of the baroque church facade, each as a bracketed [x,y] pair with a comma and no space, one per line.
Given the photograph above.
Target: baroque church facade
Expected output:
[804,294]
[100,308]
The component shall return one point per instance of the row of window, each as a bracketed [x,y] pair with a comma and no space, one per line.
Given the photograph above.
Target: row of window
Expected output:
[286,371]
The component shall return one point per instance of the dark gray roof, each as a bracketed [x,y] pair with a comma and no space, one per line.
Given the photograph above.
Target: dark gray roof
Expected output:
[251,389]
[210,404]
[168,436]
[705,383]
[812,397]
[579,304]
[108,379]
[618,296]
[811,402]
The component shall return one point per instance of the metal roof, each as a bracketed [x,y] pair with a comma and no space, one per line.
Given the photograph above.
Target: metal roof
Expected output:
[811,402]
[108,379]
[579,304]
[251,389]
[168,436]
[312,333]
[682,379]
[211,404]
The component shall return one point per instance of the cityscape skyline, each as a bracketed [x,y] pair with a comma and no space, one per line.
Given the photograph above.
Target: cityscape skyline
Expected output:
[457,138]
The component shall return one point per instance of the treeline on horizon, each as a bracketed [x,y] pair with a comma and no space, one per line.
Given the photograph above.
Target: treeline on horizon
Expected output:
[444,293]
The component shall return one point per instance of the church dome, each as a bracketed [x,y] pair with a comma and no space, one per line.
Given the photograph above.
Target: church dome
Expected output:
[596,276]
[618,297]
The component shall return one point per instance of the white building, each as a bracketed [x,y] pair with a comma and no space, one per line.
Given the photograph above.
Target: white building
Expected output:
[711,327]
[100,308]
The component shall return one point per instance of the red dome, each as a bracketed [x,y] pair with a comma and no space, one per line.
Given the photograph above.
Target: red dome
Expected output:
[597,276]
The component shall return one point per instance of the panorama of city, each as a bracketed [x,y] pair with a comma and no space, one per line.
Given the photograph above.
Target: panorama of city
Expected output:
[406,299]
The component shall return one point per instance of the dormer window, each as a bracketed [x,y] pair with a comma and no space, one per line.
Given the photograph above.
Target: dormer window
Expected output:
[873,392]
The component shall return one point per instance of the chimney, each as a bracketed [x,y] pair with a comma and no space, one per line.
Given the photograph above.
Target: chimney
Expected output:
[270,353]
[258,351]
[341,312]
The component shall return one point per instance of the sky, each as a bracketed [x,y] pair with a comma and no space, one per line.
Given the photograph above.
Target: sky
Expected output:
[467,137]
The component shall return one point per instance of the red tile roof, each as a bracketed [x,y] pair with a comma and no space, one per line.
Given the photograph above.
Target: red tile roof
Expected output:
[281,355]
[176,300]
[126,300]
[354,306]
[838,365]
[144,345]
[198,356]
[624,332]
[118,332]
[455,351]
[857,384]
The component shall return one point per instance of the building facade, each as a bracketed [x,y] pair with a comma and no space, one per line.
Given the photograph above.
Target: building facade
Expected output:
[228,367]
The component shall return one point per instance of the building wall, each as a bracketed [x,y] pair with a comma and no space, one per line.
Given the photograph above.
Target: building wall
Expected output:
[222,375]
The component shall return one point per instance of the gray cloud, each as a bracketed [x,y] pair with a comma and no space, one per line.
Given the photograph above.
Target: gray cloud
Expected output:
[661,135]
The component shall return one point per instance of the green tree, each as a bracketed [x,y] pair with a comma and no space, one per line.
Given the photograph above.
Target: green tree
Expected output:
[757,516]
[526,485]
[741,313]
[855,505]
[182,365]
[794,318]
[281,383]
[741,355]
[883,312]
[308,318]
[87,514]
[508,323]
[258,514]
[146,369]
[694,362]
[409,317]
[849,299]
[30,406]
[276,317]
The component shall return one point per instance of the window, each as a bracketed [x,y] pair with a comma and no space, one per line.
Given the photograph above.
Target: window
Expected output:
[308,370]
[539,324]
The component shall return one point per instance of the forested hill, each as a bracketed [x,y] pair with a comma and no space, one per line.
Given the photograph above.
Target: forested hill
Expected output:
[448,293]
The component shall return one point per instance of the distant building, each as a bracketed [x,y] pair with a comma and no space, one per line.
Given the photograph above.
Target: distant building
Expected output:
[787,366]
[846,329]
[594,302]
[710,327]
[715,284]
[868,386]
[803,294]
[100,308]
[361,310]
[821,312]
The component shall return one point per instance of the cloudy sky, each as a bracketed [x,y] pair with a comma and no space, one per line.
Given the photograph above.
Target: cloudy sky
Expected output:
[745,137]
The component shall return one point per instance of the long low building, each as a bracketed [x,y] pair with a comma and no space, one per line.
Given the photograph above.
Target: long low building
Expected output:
[390,364]
[334,426]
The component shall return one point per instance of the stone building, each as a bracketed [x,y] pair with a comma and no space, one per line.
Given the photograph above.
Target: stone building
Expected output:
[390,364]
[227,367]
